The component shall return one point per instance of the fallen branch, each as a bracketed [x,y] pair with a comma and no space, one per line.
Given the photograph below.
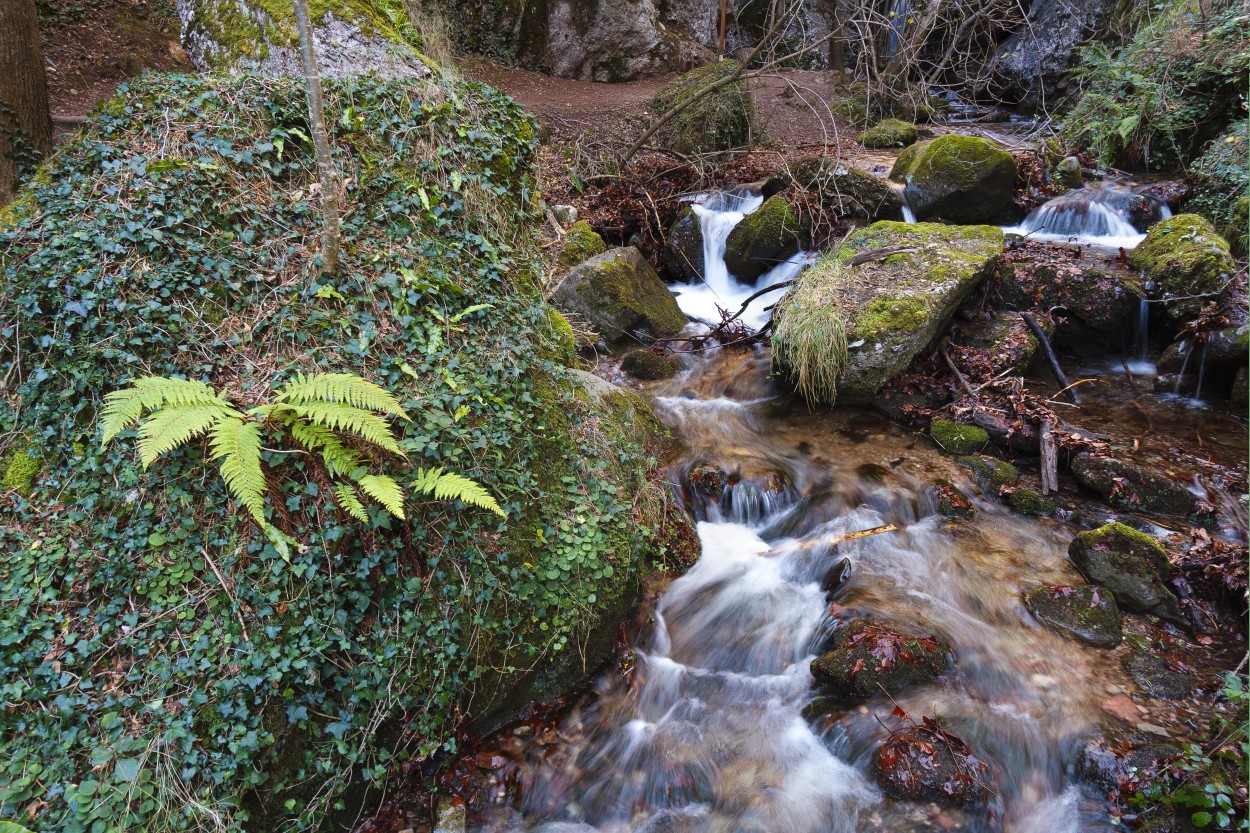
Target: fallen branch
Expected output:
[833,541]
[1050,354]
[1050,458]
[962,380]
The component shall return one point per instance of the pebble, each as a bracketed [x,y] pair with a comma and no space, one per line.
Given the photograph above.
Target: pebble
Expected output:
[1153,729]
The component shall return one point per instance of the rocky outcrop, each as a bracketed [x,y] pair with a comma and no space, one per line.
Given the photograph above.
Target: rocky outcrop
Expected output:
[1081,612]
[961,179]
[1030,65]
[683,247]
[615,40]
[866,656]
[721,120]
[619,293]
[1130,564]
[1185,263]
[890,133]
[764,238]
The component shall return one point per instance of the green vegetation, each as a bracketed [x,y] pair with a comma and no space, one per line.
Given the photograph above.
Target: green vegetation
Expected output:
[581,243]
[1224,183]
[991,475]
[957,438]
[889,133]
[722,120]
[810,346]
[1186,260]
[962,179]
[163,666]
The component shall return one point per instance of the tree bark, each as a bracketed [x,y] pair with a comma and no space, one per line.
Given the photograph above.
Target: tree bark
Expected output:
[328,174]
[25,118]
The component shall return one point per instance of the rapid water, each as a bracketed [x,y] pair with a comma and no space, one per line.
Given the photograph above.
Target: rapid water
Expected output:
[1100,215]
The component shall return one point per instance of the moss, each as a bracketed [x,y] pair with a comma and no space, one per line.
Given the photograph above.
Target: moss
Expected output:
[1237,232]
[764,238]
[619,292]
[957,438]
[890,133]
[16,211]
[1184,256]
[991,475]
[843,190]
[580,244]
[963,179]
[1118,536]
[1081,612]
[887,314]
[723,120]
[1029,502]
[651,366]
[562,333]
[21,467]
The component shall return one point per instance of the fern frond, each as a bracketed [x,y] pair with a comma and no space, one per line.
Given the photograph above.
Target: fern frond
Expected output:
[385,491]
[339,459]
[347,388]
[340,416]
[236,444]
[176,425]
[350,502]
[148,393]
[446,485]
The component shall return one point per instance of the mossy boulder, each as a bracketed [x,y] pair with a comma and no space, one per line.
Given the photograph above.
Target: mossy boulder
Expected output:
[949,501]
[619,293]
[1083,613]
[961,179]
[865,656]
[763,238]
[1130,564]
[844,331]
[1185,263]
[845,191]
[1068,175]
[651,366]
[889,133]
[1030,502]
[1101,301]
[957,438]
[722,120]
[926,764]
[1132,486]
[581,243]
[991,474]
[683,247]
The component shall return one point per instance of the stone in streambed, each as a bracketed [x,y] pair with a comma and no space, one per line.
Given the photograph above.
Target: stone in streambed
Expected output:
[890,133]
[650,366]
[1084,612]
[1068,173]
[1186,262]
[867,656]
[1029,502]
[950,502]
[920,764]
[683,248]
[1098,298]
[1130,564]
[961,179]
[619,293]
[581,243]
[991,475]
[1155,677]
[764,238]
[1133,487]
[842,190]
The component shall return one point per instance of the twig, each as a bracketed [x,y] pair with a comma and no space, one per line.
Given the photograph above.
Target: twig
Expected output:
[233,601]
[832,542]
[962,381]
[1050,354]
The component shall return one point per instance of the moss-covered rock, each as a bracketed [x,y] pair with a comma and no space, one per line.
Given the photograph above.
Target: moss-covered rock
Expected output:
[1081,612]
[957,438]
[991,474]
[843,332]
[919,764]
[1185,263]
[651,366]
[723,120]
[1003,342]
[1101,301]
[1130,564]
[683,247]
[1068,173]
[581,243]
[619,293]
[21,466]
[764,238]
[866,656]
[949,501]
[1029,502]
[889,133]
[1156,677]
[844,190]
[1134,487]
[962,179]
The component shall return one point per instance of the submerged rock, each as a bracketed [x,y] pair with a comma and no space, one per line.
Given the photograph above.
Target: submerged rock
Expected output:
[867,656]
[650,366]
[763,238]
[722,120]
[991,474]
[1029,502]
[581,243]
[619,293]
[1081,612]
[962,179]
[1130,486]
[923,764]
[1132,565]
[890,133]
[1186,263]
[683,248]
[1155,677]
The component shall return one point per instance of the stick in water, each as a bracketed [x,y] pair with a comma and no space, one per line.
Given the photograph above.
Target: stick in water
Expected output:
[833,542]
[1050,354]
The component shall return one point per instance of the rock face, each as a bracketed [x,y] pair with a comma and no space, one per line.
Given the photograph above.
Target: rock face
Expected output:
[1132,565]
[1132,487]
[1032,62]
[961,179]
[619,293]
[683,248]
[1183,257]
[1082,612]
[867,656]
[846,191]
[615,40]
[260,35]
[722,120]
[844,331]
[764,238]
[890,133]
[927,764]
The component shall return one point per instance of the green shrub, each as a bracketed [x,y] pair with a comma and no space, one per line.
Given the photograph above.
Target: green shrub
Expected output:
[722,120]
[1223,181]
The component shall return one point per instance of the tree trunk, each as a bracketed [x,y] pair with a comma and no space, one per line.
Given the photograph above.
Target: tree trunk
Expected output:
[25,119]
[321,142]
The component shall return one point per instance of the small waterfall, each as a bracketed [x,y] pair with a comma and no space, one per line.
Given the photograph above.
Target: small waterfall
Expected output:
[1202,370]
[1102,215]
[1184,366]
[1143,328]
[909,216]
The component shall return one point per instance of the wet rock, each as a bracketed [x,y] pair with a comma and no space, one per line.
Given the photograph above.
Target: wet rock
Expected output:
[844,190]
[1031,65]
[708,480]
[683,248]
[650,366]
[866,656]
[1130,564]
[950,502]
[619,293]
[1002,342]
[1068,173]
[451,816]
[962,179]
[1155,677]
[844,331]
[1029,502]
[722,120]
[1084,612]
[1108,764]
[956,438]
[581,243]
[1240,395]
[836,577]
[1183,257]
[990,474]
[918,764]
[898,401]
[1096,298]
[890,133]
[1131,486]
[764,238]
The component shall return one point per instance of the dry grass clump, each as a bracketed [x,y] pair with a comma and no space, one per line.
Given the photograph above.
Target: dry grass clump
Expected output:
[809,332]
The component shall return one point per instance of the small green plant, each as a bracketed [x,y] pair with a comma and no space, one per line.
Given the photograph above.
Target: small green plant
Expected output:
[339,418]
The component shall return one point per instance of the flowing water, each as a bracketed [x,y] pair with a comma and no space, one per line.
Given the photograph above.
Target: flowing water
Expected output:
[1105,214]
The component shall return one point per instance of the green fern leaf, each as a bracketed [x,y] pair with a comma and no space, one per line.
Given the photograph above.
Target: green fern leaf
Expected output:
[385,491]
[350,502]
[339,459]
[446,485]
[176,425]
[148,393]
[236,444]
[340,416]
[340,387]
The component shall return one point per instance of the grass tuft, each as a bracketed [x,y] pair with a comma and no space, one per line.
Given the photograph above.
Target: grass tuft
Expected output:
[809,332]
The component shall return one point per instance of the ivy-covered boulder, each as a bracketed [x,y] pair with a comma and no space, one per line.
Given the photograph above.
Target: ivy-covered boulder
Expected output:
[1185,263]
[683,247]
[581,243]
[844,331]
[845,191]
[866,656]
[722,120]
[1083,613]
[1131,565]
[961,179]
[889,133]
[619,293]
[764,238]
[163,665]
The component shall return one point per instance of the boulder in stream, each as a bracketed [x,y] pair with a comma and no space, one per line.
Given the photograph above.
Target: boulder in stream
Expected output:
[889,133]
[651,366]
[962,179]
[844,331]
[1101,300]
[867,656]
[1185,262]
[619,293]
[1084,613]
[926,763]
[764,238]
[1133,487]
[958,438]
[992,475]
[1132,565]
[683,247]
[1156,677]
[844,190]
[581,243]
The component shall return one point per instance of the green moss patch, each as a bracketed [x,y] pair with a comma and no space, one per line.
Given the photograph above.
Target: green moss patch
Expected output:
[957,438]
[1184,257]
[991,475]
[962,179]
[581,243]
[889,133]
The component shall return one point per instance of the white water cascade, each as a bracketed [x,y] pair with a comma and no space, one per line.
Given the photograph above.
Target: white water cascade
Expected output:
[1097,215]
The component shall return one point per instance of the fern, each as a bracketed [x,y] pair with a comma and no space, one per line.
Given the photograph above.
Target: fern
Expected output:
[236,444]
[384,489]
[176,425]
[338,416]
[445,485]
[340,387]
[124,407]
[350,503]
[340,460]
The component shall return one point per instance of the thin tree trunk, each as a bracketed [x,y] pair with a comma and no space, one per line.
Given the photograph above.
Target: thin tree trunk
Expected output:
[321,143]
[25,119]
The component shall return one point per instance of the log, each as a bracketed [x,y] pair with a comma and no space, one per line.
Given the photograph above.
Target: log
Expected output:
[1050,458]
